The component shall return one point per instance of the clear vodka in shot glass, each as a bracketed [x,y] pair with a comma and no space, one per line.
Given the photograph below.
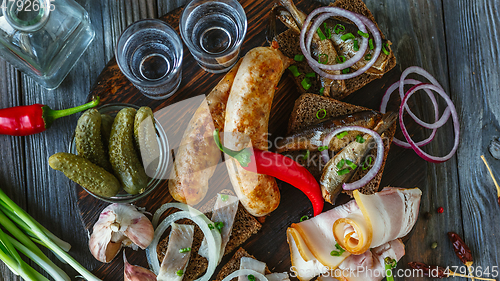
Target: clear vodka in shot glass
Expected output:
[213,31]
[149,54]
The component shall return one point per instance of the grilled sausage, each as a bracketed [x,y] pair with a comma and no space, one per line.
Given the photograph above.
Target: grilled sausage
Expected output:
[247,116]
[197,156]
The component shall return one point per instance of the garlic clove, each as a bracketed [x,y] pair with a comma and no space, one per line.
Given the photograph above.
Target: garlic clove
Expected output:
[136,273]
[141,232]
[119,225]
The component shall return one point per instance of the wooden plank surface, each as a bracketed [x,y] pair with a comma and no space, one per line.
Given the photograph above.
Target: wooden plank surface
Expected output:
[455,40]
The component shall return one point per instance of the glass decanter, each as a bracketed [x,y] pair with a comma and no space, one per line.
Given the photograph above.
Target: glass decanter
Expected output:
[44,38]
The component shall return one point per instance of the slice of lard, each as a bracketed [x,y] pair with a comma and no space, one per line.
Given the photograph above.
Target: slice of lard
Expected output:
[253,264]
[178,253]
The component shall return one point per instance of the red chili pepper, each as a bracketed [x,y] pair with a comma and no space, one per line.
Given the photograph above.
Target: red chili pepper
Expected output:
[461,249]
[433,271]
[33,119]
[280,167]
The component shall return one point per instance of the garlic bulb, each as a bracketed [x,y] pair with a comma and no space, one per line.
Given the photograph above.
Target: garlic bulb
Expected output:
[119,225]
[136,273]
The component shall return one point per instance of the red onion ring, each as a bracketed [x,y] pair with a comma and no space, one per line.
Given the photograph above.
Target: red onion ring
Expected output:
[360,21]
[453,113]
[383,109]
[376,165]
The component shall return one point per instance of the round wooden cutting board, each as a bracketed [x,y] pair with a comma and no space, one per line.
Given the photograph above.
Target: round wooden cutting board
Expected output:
[269,245]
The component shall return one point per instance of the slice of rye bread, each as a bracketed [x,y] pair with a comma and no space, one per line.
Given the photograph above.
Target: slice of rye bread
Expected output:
[234,264]
[245,225]
[304,115]
[288,42]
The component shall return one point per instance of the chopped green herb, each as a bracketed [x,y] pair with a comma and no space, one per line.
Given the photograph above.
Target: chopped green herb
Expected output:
[339,28]
[338,252]
[360,139]
[224,197]
[323,58]
[370,43]
[299,57]
[321,90]
[366,35]
[306,156]
[185,250]
[294,70]
[341,163]
[341,135]
[340,59]
[311,74]
[389,265]
[384,49]
[368,57]
[180,272]
[356,46]
[306,84]
[347,36]
[346,70]
[343,172]
[323,113]
[219,226]
[304,218]
[211,226]
[321,34]
[251,277]
[327,31]
[337,246]
[321,148]
[351,164]
[367,163]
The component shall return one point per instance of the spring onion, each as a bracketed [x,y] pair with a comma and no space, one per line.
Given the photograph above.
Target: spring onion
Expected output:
[323,61]
[356,45]
[343,172]
[251,277]
[306,156]
[323,113]
[294,70]
[321,148]
[311,75]
[347,36]
[366,35]
[180,272]
[306,84]
[339,28]
[328,31]
[341,135]
[351,164]
[321,91]
[367,163]
[185,250]
[385,50]
[340,59]
[338,252]
[224,197]
[21,242]
[304,218]
[346,70]
[370,44]
[360,139]
[341,163]
[389,265]
[219,225]
[321,34]
[299,57]
[368,57]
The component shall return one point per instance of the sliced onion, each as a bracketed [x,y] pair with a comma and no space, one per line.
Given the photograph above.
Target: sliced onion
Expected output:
[165,207]
[376,165]
[383,109]
[213,236]
[454,116]
[361,21]
[245,272]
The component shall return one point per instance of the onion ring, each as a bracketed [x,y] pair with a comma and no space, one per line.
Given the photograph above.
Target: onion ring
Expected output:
[213,236]
[240,272]
[453,113]
[361,21]
[376,165]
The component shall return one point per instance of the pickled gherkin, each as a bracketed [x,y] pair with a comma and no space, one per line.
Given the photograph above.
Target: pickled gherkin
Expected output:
[87,174]
[106,124]
[88,139]
[145,139]
[123,157]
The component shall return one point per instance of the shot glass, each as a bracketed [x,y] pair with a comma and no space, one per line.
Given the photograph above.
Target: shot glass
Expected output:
[149,54]
[213,31]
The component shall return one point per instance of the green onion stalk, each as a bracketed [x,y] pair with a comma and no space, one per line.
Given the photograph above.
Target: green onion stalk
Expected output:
[389,265]
[26,232]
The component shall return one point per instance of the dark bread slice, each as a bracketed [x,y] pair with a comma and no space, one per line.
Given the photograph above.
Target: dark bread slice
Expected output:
[245,225]
[304,115]
[234,264]
[288,42]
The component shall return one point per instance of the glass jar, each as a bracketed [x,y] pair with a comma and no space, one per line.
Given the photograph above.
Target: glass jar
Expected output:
[44,38]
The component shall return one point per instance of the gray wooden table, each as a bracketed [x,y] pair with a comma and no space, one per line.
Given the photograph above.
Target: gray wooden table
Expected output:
[455,40]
